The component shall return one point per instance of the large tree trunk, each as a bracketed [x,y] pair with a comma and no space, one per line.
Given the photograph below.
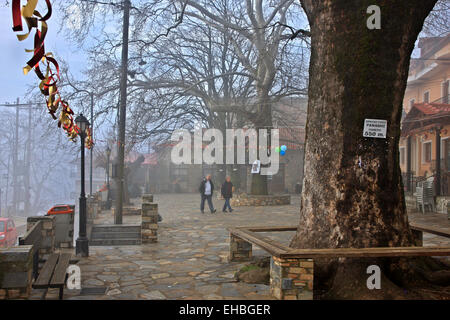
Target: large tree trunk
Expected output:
[352,193]
[263,120]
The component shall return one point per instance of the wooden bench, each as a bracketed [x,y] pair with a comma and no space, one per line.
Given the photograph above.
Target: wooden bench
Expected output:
[54,270]
[418,230]
[54,273]
[292,270]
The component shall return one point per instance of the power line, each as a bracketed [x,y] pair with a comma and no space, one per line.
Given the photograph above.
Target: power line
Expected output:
[23,105]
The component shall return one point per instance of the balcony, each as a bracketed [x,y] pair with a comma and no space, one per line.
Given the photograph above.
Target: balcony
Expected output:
[445,165]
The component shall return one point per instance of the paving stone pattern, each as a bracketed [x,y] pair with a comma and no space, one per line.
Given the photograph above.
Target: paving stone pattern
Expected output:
[190,259]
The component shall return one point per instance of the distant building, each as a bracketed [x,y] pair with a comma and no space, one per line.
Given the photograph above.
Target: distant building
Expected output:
[426,122]
[98,178]
[289,116]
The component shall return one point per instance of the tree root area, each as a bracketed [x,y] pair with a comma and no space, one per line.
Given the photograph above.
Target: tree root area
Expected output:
[423,278]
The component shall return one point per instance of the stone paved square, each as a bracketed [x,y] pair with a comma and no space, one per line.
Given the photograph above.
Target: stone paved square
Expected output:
[190,259]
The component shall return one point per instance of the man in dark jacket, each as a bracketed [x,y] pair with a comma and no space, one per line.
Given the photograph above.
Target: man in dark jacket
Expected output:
[227,194]
[206,191]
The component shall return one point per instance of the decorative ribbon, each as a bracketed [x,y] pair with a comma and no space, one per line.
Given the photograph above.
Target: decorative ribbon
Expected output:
[50,77]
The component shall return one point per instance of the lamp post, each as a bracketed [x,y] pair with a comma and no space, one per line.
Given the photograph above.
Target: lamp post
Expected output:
[82,243]
[108,156]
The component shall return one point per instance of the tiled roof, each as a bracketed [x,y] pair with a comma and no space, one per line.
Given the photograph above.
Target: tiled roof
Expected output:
[425,115]
[432,108]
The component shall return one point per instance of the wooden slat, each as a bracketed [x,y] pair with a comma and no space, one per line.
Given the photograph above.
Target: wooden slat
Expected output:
[368,252]
[270,229]
[436,231]
[267,240]
[253,238]
[279,250]
[59,276]
[46,272]
[413,225]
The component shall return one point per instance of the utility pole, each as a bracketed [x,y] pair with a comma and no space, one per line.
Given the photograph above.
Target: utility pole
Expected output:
[122,114]
[15,160]
[7,185]
[28,166]
[92,147]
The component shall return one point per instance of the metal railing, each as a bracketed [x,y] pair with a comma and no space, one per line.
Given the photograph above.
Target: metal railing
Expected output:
[445,164]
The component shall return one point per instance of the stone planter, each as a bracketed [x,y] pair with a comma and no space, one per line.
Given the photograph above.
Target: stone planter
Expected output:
[256,200]
[16,266]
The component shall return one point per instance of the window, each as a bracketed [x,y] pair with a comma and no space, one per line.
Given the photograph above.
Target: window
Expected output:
[402,155]
[426,151]
[62,208]
[426,97]
[2,226]
[445,92]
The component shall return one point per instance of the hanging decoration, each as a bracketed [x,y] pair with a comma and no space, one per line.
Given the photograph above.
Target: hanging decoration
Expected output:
[46,61]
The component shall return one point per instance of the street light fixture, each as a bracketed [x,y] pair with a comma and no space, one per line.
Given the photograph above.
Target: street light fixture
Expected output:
[108,156]
[82,243]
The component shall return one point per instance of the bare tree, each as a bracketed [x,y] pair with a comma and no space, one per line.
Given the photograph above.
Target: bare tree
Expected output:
[256,31]
[50,157]
[227,61]
[438,21]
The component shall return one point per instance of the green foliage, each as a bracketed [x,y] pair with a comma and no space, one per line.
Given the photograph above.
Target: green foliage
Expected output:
[248,268]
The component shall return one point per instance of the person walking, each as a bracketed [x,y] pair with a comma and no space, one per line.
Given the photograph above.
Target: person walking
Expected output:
[206,191]
[227,194]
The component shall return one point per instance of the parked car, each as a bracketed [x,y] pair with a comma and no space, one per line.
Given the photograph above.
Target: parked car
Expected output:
[61,209]
[8,233]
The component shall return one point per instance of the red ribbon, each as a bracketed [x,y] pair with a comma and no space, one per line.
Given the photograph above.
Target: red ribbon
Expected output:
[49,80]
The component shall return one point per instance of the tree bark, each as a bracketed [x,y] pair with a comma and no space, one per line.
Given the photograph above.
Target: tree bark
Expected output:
[259,184]
[352,191]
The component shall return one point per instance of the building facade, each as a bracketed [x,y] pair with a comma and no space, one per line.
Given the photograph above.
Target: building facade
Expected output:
[425,140]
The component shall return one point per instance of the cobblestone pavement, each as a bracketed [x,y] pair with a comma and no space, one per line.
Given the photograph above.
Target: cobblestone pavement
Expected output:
[190,259]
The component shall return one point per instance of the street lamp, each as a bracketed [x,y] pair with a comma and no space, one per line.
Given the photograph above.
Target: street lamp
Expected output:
[108,156]
[82,243]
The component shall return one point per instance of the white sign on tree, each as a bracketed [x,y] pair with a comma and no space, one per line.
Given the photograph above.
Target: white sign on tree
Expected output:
[375,128]
[256,167]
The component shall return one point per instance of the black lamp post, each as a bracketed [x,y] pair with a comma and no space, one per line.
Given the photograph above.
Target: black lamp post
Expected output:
[108,156]
[82,243]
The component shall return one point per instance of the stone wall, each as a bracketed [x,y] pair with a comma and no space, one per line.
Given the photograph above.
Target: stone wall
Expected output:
[93,207]
[64,230]
[253,200]
[16,268]
[240,250]
[291,279]
[149,227]
[48,233]
[128,211]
